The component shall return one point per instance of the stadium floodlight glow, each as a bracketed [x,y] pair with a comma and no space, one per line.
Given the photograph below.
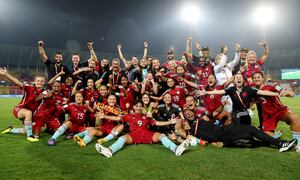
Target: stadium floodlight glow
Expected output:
[264,15]
[190,13]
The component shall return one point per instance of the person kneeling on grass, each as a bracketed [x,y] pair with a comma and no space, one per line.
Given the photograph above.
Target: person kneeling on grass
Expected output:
[140,134]
[27,106]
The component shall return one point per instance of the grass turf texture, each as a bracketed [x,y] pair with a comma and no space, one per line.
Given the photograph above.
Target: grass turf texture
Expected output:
[20,159]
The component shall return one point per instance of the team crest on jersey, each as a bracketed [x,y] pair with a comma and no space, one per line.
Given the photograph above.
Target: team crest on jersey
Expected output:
[212,96]
[144,117]
[177,92]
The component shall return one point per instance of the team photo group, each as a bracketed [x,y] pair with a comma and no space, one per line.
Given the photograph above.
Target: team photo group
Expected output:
[195,100]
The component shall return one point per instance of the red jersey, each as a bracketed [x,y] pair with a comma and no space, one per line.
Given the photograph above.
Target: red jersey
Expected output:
[49,106]
[213,101]
[178,95]
[90,95]
[77,113]
[202,73]
[271,104]
[129,98]
[251,69]
[138,122]
[28,99]
[66,90]
[181,83]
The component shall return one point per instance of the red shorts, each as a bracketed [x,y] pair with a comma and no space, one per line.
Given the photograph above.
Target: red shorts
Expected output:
[52,123]
[75,128]
[270,123]
[106,129]
[142,137]
[16,111]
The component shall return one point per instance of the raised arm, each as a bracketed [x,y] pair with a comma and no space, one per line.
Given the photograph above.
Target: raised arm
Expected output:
[51,81]
[236,59]
[266,53]
[121,54]
[42,52]
[218,67]
[188,48]
[92,52]
[74,91]
[198,47]
[145,50]
[4,73]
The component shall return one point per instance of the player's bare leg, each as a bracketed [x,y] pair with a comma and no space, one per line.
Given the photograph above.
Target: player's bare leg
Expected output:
[178,150]
[66,125]
[27,116]
[108,152]
[114,133]
[292,119]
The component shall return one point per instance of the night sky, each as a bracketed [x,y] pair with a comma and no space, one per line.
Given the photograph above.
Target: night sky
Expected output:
[69,24]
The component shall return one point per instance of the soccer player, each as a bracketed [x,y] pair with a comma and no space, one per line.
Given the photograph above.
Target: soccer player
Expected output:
[241,96]
[213,103]
[167,111]
[126,93]
[27,106]
[149,85]
[77,116]
[177,92]
[108,127]
[140,134]
[273,109]
[48,111]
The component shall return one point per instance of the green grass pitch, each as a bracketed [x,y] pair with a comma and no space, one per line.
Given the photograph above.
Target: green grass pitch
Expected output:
[20,159]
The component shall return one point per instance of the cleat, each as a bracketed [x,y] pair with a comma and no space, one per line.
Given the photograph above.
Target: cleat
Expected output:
[182,147]
[51,142]
[79,141]
[32,139]
[217,144]
[103,150]
[6,130]
[287,145]
[101,141]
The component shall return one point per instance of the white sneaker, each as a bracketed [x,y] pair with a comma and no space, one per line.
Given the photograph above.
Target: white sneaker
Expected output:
[103,150]
[182,147]
[297,149]
[288,145]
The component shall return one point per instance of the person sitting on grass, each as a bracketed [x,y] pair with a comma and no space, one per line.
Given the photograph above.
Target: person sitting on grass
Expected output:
[27,106]
[77,116]
[103,126]
[140,134]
